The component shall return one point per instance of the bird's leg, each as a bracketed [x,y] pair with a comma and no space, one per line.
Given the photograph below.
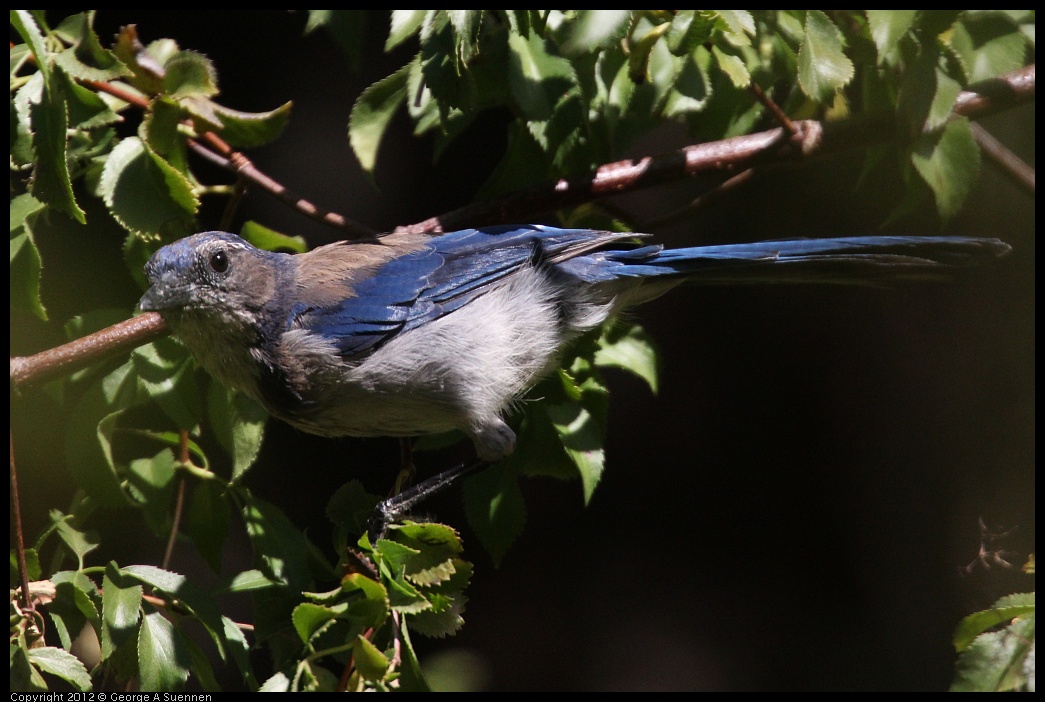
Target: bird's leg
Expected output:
[389,511]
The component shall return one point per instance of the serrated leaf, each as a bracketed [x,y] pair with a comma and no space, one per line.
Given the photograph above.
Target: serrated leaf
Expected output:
[61,664]
[86,109]
[251,129]
[537,80]
[190,596]
[1004,610]
[689,29]
[25,257]
[595,29]
[823,67]
[582,437]
[887,28]
[88,59]
[949,162]
[121,608]
[370,662]
[247,581]
[145,194]
[466,24]
[739,22]
[72,609]
[190,74]
[309,618]
[80,542]
[51,183]
[629,347]
[167,373]
[445,621]
[371,115]
[239,425]
[404,24]
[280,547]
[989,45]
[732,66]
[164,660]
[998,661]
[928,91]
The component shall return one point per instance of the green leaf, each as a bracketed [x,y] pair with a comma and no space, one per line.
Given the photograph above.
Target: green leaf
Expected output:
[167,373]
[88,59]
[404,24]
[121,608]
[689,30]
[929,89]
[347,27]
[88,449]
[989,45]
[25,257]
[739,22]
[145,194]
[72,609]
[733,67]
[207,521]
[466,24]
[51,183]
[949,162]
[537,80]
[887,28]
[61,664]
[998,661]
[247,130]
[595,29]
[281,548]
[80,542]
[370,662]
[270,240]
[495,508]
[239,425]
[190,74]
[629,347]
[582,435]
[823,67]
[164,659]
[247,581]
[1004,610]
[310,619]
[371,115]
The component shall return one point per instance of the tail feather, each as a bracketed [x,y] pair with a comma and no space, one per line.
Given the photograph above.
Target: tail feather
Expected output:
[849,260]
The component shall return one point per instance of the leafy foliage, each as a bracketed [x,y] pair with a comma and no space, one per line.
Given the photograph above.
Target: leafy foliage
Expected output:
[102,136]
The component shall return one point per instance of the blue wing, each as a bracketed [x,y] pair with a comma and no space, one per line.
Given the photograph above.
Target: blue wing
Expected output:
[446,273]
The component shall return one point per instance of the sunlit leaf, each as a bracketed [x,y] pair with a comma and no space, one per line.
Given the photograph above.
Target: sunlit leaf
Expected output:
[823,67]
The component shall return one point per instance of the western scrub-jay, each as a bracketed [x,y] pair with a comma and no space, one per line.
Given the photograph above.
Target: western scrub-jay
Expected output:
[411,334]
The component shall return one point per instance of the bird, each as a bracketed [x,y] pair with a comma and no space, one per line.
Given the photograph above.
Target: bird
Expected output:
[408,334]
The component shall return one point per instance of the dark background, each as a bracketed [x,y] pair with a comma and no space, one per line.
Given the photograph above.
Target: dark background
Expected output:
[791,512]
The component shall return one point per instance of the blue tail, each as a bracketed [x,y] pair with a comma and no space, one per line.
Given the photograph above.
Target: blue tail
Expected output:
[849,260]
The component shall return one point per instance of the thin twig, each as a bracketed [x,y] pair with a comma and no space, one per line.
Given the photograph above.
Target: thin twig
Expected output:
[774,109]
[1009,163]
[16,514]
[218,152]
[179,503]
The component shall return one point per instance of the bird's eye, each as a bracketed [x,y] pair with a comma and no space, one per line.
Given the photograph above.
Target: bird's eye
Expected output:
[219,261]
